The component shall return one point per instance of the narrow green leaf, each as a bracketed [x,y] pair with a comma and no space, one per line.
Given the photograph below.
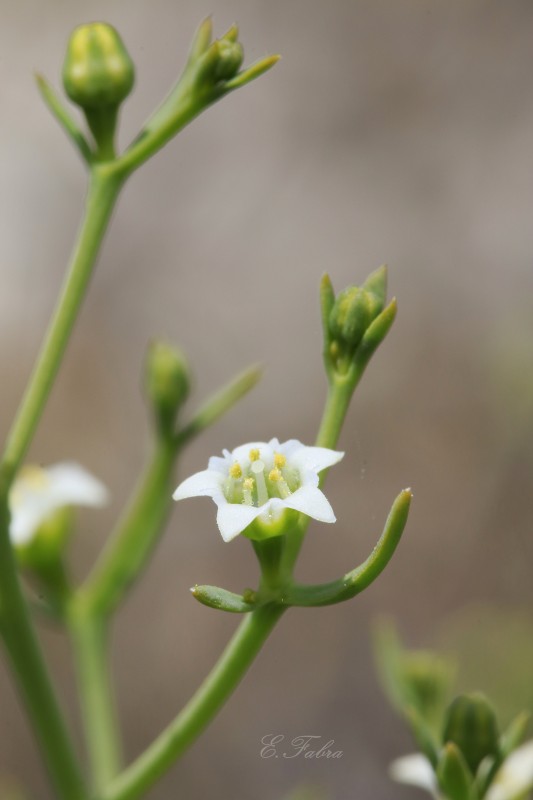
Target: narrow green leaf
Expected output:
[251,73]
[358,579]
[453,775]
[63,117]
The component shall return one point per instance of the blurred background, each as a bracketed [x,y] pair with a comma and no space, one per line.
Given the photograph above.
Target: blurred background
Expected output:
[395,131]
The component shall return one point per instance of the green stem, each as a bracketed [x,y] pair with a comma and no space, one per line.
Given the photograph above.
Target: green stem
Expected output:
[89,637]
[15,624]
[32,676]
[340,392]
[103,191]
[136,535]
[200,710]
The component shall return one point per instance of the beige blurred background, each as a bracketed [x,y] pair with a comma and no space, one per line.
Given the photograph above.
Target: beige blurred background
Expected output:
[396,131]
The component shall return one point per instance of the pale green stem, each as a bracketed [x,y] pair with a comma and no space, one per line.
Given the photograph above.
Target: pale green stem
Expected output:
[136,535]
[200,710]
[340,393]
[103,191]
[15,624]
[89,637]
[32,676]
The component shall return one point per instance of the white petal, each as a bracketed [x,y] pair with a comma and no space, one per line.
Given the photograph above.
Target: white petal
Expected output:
[202,484]
[233,518]
[218,464]
[316,458]
[311,501]
[515,777]
[37,493]
[242,453]
[416,771]
[71,484]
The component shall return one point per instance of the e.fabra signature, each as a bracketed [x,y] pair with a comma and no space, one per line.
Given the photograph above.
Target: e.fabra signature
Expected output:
[305,746]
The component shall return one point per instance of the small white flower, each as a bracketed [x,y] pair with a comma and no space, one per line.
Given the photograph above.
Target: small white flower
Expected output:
[513,780]
[38,492]
[260,480]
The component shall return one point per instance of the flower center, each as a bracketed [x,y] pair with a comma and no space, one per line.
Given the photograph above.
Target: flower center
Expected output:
[256,482]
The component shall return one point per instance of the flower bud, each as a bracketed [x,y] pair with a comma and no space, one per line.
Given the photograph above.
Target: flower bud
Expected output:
[471,724]
[353,311]
[167,382]
[98,71]
[230,58]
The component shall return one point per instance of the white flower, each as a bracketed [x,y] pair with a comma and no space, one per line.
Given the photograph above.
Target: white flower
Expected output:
[38,492]
[260,480]
[513,780]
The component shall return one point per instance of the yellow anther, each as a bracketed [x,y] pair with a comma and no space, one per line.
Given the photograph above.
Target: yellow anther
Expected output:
[274,475]
[279,460]
[235,470]
[254,454]
[248,484]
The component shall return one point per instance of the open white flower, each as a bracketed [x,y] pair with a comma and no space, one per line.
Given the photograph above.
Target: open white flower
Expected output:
[38,492]
[513,780]
[260,480]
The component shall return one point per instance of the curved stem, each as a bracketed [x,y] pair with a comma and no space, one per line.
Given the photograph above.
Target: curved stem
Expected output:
[15,624]
[200,710]
[103,191]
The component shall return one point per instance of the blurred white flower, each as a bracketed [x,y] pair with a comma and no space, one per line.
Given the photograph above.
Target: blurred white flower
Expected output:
[415,770]
[512,782]
[38,492]
[259,480]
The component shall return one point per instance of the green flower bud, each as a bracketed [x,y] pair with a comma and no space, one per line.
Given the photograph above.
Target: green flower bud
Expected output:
[471,724]
[167,382]
[230,58]
[98,71]
[353,311]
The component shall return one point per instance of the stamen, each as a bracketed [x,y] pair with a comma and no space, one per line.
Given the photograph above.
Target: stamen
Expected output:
[262,492]
[254,454]
[279,460]
[247,489]
[235,470]
[281,484]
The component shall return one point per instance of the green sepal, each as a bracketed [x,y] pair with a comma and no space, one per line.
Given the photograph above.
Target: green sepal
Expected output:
[514,734]
[221,599]
[471,724]
[375,334]
[453,774]
[376,284]
[251,73]
[361,577]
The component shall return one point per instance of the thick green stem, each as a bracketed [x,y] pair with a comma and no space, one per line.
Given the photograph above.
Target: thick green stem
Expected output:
[200,710]
[15,624]
[89,637]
